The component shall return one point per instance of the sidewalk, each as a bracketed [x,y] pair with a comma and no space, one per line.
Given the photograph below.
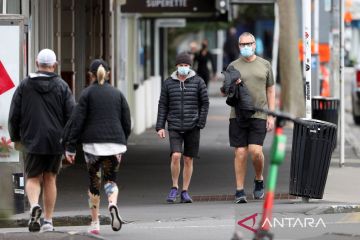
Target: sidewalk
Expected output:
[144,181]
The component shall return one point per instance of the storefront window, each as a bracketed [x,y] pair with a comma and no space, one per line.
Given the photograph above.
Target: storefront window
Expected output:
[140,49]
[13,6]
[144,49]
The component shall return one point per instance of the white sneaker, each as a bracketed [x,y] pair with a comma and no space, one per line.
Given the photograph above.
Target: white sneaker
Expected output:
[94,228]
[47,227]
[116,221]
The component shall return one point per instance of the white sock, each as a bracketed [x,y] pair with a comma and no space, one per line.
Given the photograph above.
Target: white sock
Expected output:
[48,220]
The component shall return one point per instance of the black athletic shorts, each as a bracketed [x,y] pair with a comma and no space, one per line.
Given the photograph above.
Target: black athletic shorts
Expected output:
[251,131]
[191,140]
[36,164]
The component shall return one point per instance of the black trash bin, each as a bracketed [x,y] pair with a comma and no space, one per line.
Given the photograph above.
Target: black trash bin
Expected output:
[313,144]
[19,192]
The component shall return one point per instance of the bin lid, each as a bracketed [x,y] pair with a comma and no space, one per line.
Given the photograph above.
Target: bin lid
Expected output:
[309,121]
[325,98]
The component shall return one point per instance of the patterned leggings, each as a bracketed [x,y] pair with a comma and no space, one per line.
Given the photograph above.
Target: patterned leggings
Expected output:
[109,165]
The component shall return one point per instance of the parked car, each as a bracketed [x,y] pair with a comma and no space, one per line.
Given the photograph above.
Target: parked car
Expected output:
[355,96]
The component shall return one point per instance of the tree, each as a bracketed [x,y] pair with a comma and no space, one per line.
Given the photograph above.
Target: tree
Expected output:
[292,87]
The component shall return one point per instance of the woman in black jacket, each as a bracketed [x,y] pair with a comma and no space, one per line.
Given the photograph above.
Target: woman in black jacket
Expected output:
[101,122]
[202,58]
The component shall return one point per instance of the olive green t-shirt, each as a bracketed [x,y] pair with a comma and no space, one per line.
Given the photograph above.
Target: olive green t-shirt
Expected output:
[257,76]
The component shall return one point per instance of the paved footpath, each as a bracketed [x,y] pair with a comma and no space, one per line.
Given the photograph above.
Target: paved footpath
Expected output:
[144,181]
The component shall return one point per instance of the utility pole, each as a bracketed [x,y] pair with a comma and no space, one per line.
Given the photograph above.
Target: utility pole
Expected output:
[335,48]
[306,23]
[342,83]
[275,50]
[315,74]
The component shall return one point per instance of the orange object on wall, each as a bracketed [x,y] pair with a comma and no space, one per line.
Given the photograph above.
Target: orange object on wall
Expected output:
[348,17]
[324,51]
[325,86]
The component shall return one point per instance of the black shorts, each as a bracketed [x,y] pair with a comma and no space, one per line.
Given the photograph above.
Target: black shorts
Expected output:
[191,140]
[251,131]
[36,164]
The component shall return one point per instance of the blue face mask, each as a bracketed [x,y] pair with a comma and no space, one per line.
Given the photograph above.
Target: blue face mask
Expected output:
[246,51]
[183,70]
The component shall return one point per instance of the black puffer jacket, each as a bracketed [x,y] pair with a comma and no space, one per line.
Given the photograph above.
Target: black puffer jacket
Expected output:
[184,105]
[101,116]
[40,108]
[238,94]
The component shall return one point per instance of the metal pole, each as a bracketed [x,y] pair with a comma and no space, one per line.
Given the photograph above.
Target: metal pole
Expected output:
[4,6]
[220,43]
[316,80]
[157,49]
[342,84]
[275,50]
[306,19]
[335,49]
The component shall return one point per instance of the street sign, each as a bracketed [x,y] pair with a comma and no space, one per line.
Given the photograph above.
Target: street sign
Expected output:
[168,6]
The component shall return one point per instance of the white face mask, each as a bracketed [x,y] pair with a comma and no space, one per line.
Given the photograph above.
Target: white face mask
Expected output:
[183,70]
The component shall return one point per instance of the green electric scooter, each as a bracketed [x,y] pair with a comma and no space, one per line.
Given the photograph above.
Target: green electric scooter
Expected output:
[278,152]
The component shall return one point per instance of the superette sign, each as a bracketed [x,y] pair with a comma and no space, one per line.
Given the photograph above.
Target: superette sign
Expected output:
[166,6]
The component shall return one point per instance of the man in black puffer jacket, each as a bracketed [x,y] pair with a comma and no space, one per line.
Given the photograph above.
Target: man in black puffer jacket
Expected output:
[184,104]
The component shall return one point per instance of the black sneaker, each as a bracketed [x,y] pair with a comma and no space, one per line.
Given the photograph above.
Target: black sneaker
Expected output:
[34,222]
[240,196]
[258,189]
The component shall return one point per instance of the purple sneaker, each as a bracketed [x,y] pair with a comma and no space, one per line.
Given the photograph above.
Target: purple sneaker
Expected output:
[172,195]
[185,197]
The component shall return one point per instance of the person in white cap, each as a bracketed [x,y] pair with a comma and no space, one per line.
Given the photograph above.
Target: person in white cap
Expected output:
[40,108]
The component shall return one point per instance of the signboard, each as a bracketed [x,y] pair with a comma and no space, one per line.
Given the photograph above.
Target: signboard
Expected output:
[171,22]
[251,1]
[10,74]
[166,6]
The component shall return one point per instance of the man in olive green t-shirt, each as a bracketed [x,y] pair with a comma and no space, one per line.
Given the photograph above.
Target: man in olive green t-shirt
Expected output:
[247,136]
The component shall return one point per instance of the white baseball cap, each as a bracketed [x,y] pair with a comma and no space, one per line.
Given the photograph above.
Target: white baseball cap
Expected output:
[46,56]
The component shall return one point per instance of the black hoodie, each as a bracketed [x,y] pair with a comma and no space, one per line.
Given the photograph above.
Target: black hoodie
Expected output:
[39,110]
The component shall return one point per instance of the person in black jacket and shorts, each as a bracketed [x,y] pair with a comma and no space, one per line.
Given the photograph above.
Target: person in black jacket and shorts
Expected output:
[184,104]
[101,122]
[40,108]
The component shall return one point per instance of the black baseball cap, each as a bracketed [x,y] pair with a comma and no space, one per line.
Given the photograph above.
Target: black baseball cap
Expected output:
[95,65]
